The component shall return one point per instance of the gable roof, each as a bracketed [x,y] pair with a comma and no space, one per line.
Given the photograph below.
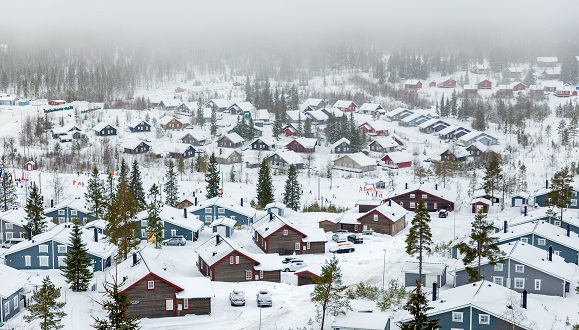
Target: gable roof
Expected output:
[385,142]
[474,135]
[218,247]
[370,107]
[133,143]
[243,106]
[134,123]
[220,103]
[270,223]
[175,216]
[176,147]
[543,229]
[397,111]
[100,126]
[427,188]
[359,158]
[431,122]
[227,222]
[134,273]
[12,281]
[378,125]
[167,119]
[268,140]
[233,137]
[171,102]
[458,152]
[318,115]
[394,211]
[340,141]
[225,203]
[343,104]
[399,156]
[305,142]
[430,268]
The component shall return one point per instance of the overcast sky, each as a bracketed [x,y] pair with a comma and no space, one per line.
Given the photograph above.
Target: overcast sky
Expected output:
[175,21]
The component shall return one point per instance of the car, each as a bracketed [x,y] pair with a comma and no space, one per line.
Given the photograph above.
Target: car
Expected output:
[340,237]
[264,298]
[293,264]
[428,160]
[442,213]
[175,240]
[346,247]
[9,242]
[356,239]
[237,298]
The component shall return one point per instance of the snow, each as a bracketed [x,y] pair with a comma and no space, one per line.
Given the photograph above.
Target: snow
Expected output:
[369,107]
[547,59]
[289,156]
[427,268]
[194,287]
[223,221]
[12,280]
[233,137]
[546,230]
[364,319]
[398,157]
[342,104]
[175,216]
[100,126]
[359,158]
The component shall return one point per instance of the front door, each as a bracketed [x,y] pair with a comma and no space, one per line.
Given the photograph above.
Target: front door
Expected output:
[256,277]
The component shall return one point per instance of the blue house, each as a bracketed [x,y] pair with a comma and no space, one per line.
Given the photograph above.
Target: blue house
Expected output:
[219,207]
[137,126]
[342,146]
[49,250]
[520,199]
[484,305]
[100,225]
[72,208]
[223,226]
[12,224]
[176,222]
[12,292]
[431,272]
[276,208]
[541,198]
[540,214]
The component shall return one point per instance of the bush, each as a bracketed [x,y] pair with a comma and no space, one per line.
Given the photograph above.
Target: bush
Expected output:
[442,249]
[315,207]
[366,291]
[392,296]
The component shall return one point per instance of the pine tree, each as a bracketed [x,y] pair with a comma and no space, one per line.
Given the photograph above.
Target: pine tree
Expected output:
[479,122]
[212,178]
[95,195]
[356,140]
[110,191]
[171,188]
[329,292]
[34,212]
[493,176]
[7,190]
[120,218]
[199,117]
[213,128]
[417,306]
[116,306]
[155,224]
[136,185]
[264,185]
[76,271]
[530,78]
[561,190]
[481,244]
[419,237]
[308,128]
[43,306]
[291,196]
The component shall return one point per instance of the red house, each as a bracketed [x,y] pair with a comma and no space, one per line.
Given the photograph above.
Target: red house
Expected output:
[449,83]
[480,204]
[388,218]
[56,102]
[412,84]
[346,106]
[485,84]
[470,89]
[397,159]
[434,197]
[289,130]
[551,73]
[375,127]
[519,86]
[307,145]
[563,92]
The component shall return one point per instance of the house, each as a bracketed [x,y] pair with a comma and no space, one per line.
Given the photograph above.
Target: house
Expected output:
[375,128]
[398,114]
[188,108]
[520,199]
[104,129]
[542,199]
[314,104]
[289,130]
[138,126]
[155,291]
[276,208]
[413,84]
[305,145]
[171,123]
[342,146]
[434,197]
[397,159]
[504,91]
[329,224]
[307,274]
[178,150]
[220,105]
[56,102]
[480,69]
[223,260]
[223,226]
[135,147]
[8,100]
[176,222]
[12,292]
[262,117]
[565,91]
[68,210]
[264,143]
[536,90]
[362,319]
[357,163]
[453,132]
[470,89]
[480,203]
[366,205]
[485,305]
[431,273]
[30,166]
[432,84]
[476,136]
[295,116]
[518,86]
[317,117]
[525,267]
[282,159]
[372,109]
[169,104]
[432,125]
[219,207]
[48,250]
[229,156]
[448,83]
[547,61]
[12,224]
[193,137]
[456,154]
[384,144]
[551,73]
[513,73]
[65,130]
[388,218]
[485,84]
[346,106]
[231,140]
[413,120]
[242,109]
[68,137]
[275,234]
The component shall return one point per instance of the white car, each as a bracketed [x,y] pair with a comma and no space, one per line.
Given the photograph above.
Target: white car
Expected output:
[263,298]
[346,247]
[340,236]
[293,264]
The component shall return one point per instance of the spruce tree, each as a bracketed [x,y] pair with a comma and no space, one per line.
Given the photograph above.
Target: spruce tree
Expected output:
[212,178]
[116,306]
[76,271]
[481,244]
[43,306]
[277,125]
[136,185]
[493,176]
[34,212]
[308,128]
[199,117]
[7,190]
[171,188]
[95,195]
[264,185]
[417,306]
[300,127]
[530,78]
[155,224]
[213,128]
[291,196]
[561,190]
[329,292]
[120,218]
[110,190]
[419,236]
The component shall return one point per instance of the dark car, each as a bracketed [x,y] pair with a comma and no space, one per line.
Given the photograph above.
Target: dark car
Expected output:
[355,239]
[442,213]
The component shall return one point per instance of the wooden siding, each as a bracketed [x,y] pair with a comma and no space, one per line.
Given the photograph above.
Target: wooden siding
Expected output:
[197,306]
[430,201]
[305,279]
[277,242]
[383,225]
[151,303]
[223,271]
[327,225]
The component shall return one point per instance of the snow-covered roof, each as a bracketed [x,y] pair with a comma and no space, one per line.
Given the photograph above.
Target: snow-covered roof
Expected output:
[136,122]
[448,129]
[192,106]
[378,125]
[318,115]
[175,147]
[306,142]
[76,203]
[481,200]
[554,70]
[278,205]
[268,140]
[458,152]
[100,126]
[194,287]
[397,111]
[132,143]
[430,122]
[543,229]
[359,158]
[225,153]
[271,223]
[233,137]
[171,102]
[221,103]
[370,107]
[244,106]
[470,87]
[340,141]
[350,218]
[225,203]
[312,102]
[199,135]
[176,216]
[295,115]
[515,70]
[392,211]
[386,142]
[438,191]
[314,235]
[65,129]
[99,223]
[412,117]
[225,221]
[343,103]
[262,114]
[547,59]
[12,280]
[267,261]
[166,119]
[15,216]
[430,268]
[363,319]
[315,269]
[399,157]
[216,248]
[411,82]
[482,66]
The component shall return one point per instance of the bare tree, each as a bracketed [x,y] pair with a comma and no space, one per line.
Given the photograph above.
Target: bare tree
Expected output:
[58,187]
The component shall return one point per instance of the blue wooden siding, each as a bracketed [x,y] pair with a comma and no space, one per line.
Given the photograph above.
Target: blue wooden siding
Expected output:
[211,212]
[542,200]
[13,308]
[67,216]
[523,200]
[167,227]
[445,320]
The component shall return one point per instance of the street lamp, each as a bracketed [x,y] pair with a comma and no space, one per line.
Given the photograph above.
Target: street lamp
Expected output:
[383,269]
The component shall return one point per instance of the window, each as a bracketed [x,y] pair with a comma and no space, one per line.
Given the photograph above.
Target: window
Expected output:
[43,261]
[541,241]
[61,261]
[412,195]
[573,202]
[498,280]
[456,316]
[261,274]
[237,260]
[231,260]
[412,205]
[498,267]
[221,210]
[308,245]
[297,246]
[558,223]
[9,226]
[9,235]
[15,304]
[86,220]
[524,240]
[207,210]
[185,303]
[60,212]
[285,232]
[6,308]
[519,268]
[73,212]
[61,220]
[27,261]
[484,319]
[208,218]
[537,284]
[43,248]
[248,275]
[173,232]
[151,285]
[557,253]
[168,304]
[62,249]
[424,196]
[144,223]
[232,217]
[375,217]
[519,283]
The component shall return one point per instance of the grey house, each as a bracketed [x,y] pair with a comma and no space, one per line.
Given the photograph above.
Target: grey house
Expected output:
[282,159]
[104,129]
[432,126]
[431,273]
[223,226]
[542,199]
[12,292]
[176,222]
[476,136]
[526,267]
[342,146]
[68,210]
[219,207]
[264,143]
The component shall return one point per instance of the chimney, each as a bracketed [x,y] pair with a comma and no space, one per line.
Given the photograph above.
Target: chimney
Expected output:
[96,235]
[52,203]
[505,226]
[193,194]
[241,201]
[525,210]
[389,202]
[270,216]
[434,285]
[525,298]
[568,230]
[195,201]
[134,259]
[406,185]
[185,213]
[436,186]
[29,234]
[546,184]
[217,239]
[550,252]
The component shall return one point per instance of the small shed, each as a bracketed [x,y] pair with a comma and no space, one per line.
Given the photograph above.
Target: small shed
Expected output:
[380,184]
[480,203]
[223,226]
[276,208]
[30,166]
[307,274]
[520,199]
[431,272]
[328,224]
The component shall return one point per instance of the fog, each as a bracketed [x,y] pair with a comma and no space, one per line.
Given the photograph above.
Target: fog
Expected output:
[173,23]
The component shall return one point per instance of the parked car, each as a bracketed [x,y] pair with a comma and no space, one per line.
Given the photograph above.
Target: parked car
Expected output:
[428,160]
[367,232]
[9,242]
[346,247]
[442,213]
[264,298]
[293,264]
[340,236]
[175,240]
[237,298]
[356,239]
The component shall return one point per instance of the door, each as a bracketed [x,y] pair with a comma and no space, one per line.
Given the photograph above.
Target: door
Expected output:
[222,230]
[518,202]
[256,277]
[431,279]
